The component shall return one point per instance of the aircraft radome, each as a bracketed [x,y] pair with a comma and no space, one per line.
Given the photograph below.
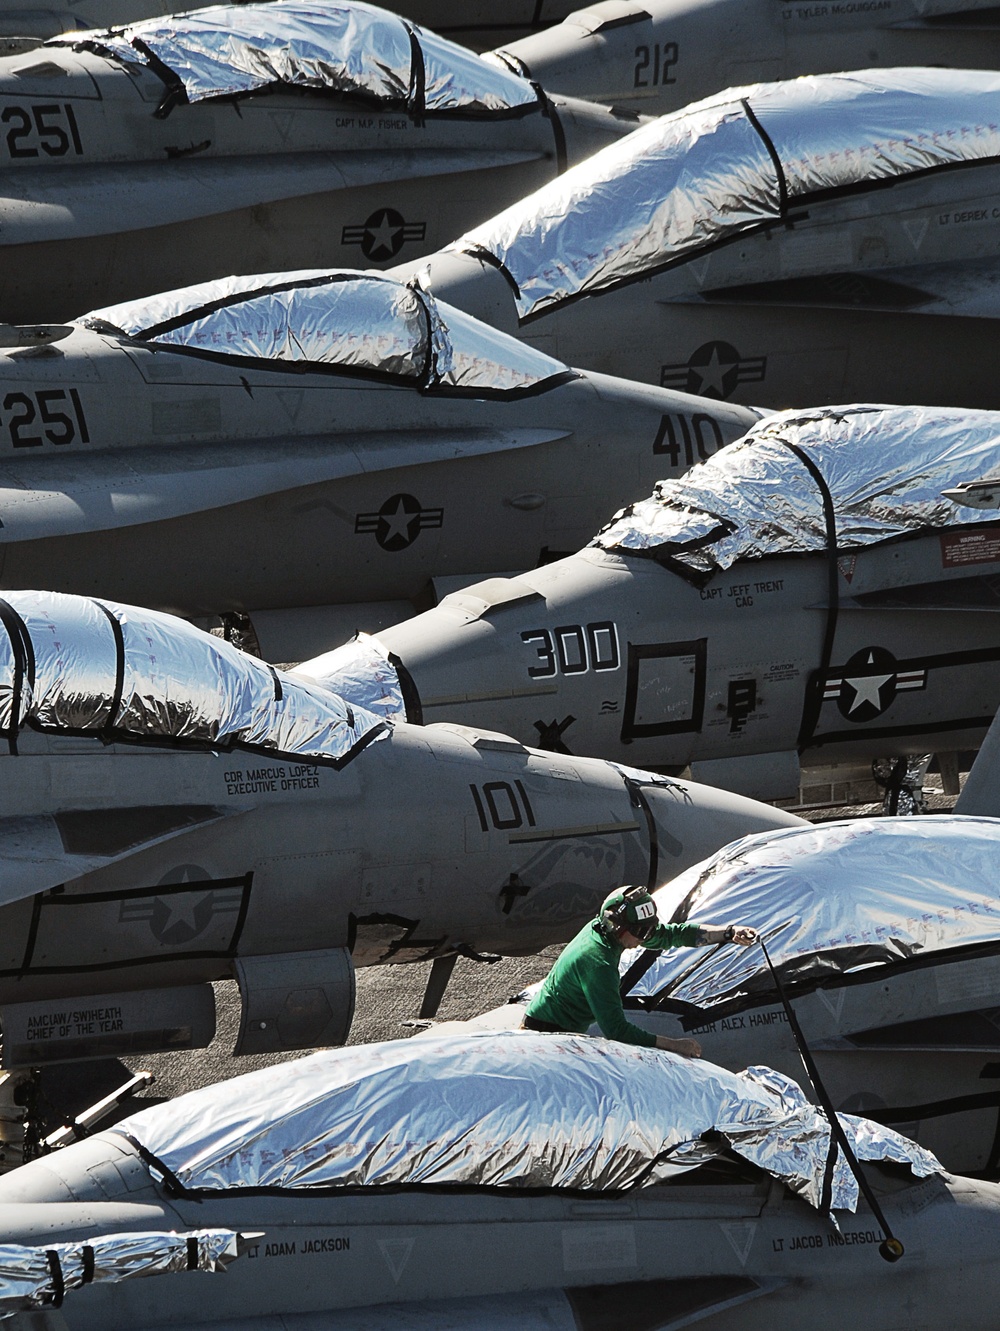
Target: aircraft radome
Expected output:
[321,472]
[885,933]
[475,23]
[807,597]
[269,135]
[657,55]
[489,1182]
[176,812]
[827,239]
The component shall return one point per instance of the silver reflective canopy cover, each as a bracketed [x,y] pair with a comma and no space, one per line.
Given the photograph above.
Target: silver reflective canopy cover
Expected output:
[359,670]
[497,1110]
[352,48]
[885,469]
[730,164]
[27,1278]
[117,671]
[338,318]
[830,899]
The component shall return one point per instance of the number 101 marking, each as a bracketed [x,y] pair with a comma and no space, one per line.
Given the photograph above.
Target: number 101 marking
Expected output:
[509,806]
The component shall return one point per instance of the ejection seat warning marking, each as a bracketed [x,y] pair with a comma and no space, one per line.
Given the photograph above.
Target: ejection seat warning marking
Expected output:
[970,547]
[589,1247]
[740,1234]
[396,1253]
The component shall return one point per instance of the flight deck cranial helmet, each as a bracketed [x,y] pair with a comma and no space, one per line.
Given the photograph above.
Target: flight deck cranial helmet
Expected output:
[630,908]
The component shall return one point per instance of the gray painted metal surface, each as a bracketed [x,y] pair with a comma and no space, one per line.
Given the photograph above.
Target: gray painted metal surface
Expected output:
[665,654]
[183,850]
[359,442]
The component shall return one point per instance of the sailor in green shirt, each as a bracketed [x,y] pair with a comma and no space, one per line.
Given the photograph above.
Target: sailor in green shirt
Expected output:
[583,986]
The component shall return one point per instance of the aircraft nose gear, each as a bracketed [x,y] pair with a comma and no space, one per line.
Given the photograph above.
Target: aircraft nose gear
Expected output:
[902,781]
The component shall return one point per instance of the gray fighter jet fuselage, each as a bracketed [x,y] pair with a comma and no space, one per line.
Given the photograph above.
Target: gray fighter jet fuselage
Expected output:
[831,257]
[645,649]
[657,55]
[233,474]
[305,840]
[119,184]
[723,1242]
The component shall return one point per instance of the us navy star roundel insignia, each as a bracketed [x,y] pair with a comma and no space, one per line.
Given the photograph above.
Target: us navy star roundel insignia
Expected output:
[866,686]
[383,235]
[181,914]
[714,370]
[398,522]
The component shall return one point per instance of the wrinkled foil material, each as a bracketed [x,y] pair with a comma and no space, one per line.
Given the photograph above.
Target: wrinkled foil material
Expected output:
[367,323]
[885,468]
[353,49]
[117,670]
[829,899]
[499,1109]
[27,1279]
[362,672]
[723,166]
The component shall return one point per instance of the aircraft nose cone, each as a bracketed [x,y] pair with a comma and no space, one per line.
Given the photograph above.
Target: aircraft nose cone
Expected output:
[694,821]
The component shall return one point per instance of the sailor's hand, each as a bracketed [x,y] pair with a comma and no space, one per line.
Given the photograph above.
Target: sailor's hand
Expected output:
[687,1048]
[742,934]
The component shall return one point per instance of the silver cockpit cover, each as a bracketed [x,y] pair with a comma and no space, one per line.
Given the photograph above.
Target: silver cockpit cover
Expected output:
[731,164]
[358,322]
[27,1277]
[360,671]
[885,469]
[495,1110]
[119,671]
[830,899]
[350,48]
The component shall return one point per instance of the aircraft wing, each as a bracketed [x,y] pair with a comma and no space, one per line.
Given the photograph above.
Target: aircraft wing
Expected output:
[74,493]
[44,851]
[128,196]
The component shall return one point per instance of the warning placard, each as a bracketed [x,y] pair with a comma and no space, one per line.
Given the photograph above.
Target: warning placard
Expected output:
[978,546]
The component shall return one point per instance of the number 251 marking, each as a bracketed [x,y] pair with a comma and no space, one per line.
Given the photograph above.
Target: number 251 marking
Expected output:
[58,427]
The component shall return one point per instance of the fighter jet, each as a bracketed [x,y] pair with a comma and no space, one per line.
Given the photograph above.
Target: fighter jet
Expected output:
[262,136]
[884,935]
[313,448]
[176,812]
[475,23]
[489,1182]
[807,597]
[828,239]
[658,55]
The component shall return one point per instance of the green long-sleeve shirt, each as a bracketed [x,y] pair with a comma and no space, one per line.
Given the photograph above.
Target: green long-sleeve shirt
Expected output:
[582,987]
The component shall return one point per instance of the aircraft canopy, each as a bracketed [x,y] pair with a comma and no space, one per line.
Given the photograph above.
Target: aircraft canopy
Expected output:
[733,163]
[77,665]
[342,320]
[350,48]
[829,900]
[508,1110]
[883,469]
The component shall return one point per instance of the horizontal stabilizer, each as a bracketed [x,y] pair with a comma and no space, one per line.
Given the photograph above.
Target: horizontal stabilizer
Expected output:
[78,201]
[62,496]
[45,851]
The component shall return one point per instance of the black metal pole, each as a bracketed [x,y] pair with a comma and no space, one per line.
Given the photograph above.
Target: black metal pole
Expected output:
[890,1248]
